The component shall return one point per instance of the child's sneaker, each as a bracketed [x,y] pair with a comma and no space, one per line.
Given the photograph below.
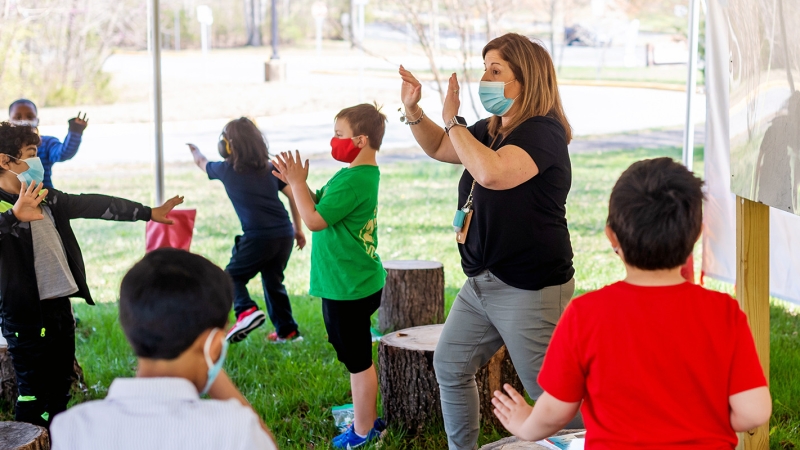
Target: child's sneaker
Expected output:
[294,336]
[245,323]
[350,440]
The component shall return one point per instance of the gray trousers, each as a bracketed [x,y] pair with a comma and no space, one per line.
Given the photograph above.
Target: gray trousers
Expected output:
[487,314]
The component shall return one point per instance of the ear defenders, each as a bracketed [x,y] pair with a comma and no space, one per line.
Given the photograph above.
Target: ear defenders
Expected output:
[224,146]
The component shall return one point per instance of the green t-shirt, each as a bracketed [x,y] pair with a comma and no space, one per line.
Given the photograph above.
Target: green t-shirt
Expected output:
[344,261]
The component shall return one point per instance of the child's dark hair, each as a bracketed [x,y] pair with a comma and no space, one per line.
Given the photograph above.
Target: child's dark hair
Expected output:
[22,101]
[248,147]
[367,120]
[14,137]
[656,211]
[169,298]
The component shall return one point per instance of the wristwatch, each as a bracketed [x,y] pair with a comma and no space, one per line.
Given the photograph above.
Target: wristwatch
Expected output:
[455,121]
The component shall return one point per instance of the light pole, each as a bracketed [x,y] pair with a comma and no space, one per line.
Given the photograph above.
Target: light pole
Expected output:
[274,69]
[155,46]
[360,33]
[319,11]
[275,30]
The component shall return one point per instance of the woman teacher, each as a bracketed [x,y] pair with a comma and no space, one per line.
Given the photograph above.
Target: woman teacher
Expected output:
[514,243]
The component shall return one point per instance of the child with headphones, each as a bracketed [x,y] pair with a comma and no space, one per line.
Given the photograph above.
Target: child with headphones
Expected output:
[268,234]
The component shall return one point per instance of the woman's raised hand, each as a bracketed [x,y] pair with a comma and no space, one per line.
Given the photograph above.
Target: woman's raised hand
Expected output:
[410,92]
[451,101]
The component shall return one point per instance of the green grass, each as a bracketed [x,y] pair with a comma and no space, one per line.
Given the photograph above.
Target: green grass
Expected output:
[293,387]
[666,74]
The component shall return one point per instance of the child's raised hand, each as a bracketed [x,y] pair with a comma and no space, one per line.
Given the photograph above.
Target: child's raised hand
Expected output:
[27,208]
[193,148]
[511,409]
[290,167]
[159,214]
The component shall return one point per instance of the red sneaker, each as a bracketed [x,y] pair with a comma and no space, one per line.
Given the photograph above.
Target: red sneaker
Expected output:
[294,336]
[245,323]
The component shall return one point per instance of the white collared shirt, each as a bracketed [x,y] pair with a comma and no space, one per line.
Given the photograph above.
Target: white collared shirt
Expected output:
[158,413]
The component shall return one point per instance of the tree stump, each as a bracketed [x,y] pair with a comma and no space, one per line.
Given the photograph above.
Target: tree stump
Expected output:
[408,383]
[23,436]
[513,443]
[8,378]
[413,295]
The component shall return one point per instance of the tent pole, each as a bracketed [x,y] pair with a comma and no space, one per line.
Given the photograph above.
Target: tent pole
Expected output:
[691,83]
[155,42]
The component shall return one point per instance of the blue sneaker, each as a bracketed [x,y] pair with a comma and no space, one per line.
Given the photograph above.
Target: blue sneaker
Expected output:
[350,440]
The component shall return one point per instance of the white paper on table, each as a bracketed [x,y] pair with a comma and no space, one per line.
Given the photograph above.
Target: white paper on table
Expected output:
[576,444]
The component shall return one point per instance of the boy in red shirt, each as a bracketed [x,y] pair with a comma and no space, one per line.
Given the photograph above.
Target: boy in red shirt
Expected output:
[656,361]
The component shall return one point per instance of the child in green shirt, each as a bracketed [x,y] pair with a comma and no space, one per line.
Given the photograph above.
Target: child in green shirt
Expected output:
[346,271]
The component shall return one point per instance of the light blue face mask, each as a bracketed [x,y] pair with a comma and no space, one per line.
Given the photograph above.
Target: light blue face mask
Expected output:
[213,368]
[35,170]
[493,99]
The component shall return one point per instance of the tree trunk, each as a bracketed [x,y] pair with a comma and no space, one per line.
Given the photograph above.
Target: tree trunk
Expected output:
[413,295]
[8,378]
[513,443]
[408,384]
[23,436]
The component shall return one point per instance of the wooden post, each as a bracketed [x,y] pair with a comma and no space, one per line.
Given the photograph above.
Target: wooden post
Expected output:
[752,291]
[413,295]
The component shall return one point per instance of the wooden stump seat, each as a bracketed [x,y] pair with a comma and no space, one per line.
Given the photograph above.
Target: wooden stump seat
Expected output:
[408,383]
[413,295]
[23,436]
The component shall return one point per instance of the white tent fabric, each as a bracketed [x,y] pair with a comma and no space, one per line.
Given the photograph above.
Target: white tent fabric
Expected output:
[719,227]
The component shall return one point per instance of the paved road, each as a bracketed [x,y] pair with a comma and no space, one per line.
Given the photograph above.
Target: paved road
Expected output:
[602,118]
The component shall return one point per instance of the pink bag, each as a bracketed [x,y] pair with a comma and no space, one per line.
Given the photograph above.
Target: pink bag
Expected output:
[177,235]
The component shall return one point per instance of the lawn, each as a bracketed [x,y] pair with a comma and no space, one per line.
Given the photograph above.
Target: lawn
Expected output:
[294,386]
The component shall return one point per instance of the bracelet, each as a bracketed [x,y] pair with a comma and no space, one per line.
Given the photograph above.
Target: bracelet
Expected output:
[419,119]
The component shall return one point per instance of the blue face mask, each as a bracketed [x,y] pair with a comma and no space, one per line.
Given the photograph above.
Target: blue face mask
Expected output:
[493,99]
[35,171]
[213,368]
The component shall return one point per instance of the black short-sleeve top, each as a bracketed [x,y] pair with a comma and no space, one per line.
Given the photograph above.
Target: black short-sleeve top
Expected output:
[520,234]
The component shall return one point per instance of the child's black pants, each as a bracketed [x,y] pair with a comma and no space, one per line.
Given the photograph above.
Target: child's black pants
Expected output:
[251,256]
[43,360]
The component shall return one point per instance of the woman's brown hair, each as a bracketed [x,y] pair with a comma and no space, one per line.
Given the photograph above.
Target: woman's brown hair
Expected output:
[248,147]
[533,69]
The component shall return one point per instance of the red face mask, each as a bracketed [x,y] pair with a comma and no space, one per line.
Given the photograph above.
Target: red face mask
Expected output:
[344,150]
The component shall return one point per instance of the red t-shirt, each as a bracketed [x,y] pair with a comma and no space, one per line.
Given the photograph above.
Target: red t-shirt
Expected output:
[654,366]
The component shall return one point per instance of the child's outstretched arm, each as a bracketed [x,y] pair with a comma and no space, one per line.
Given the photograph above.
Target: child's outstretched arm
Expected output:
[96,206]
[199,159]
[294,173]
[548,416]
[299,236]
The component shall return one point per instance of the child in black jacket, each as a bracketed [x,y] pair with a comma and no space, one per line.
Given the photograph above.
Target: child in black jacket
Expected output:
[41,267]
